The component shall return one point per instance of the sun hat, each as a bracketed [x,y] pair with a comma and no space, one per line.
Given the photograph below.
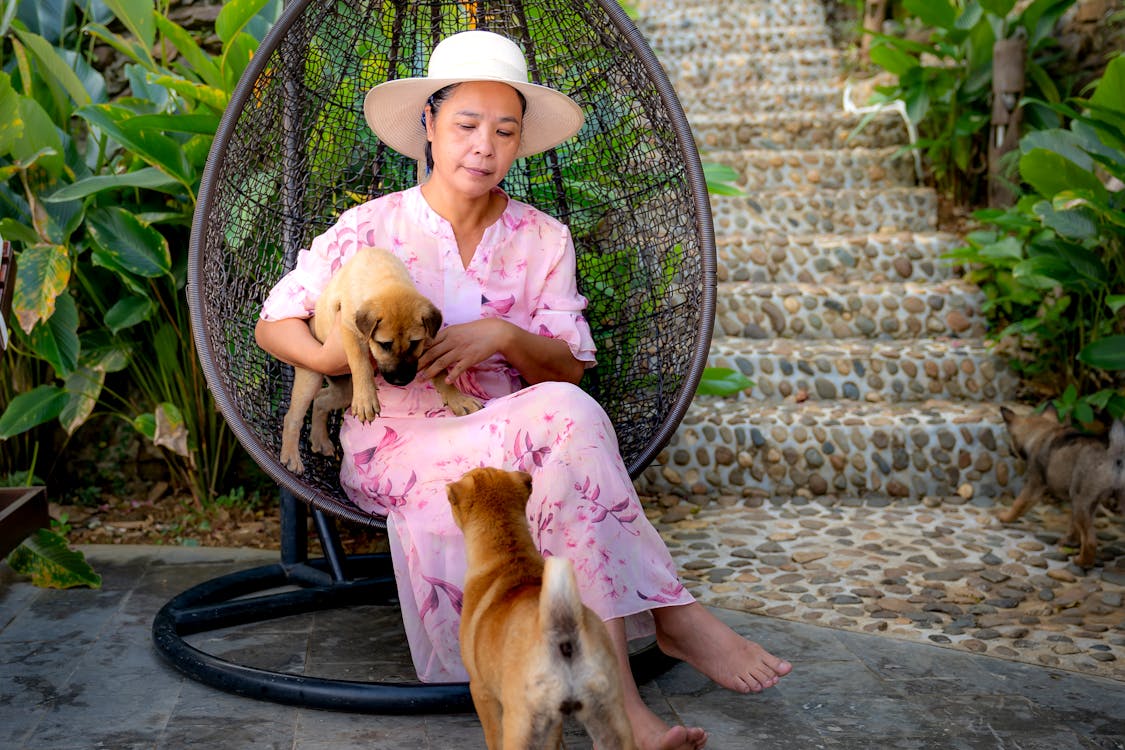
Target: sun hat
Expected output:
[393,109]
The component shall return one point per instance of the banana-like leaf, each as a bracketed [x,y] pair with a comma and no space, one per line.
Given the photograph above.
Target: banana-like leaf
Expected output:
[122,241]
[146,177]
[50,64]
[31,409]
[1106,354]
[235,15]
[11,128]
[56,339]
[42,274]
[153,146]
[51,563]
[84,386]
[138,16]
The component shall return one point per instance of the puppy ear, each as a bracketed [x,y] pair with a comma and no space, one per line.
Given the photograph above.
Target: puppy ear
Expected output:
[456,490]
[431,319]
[367,320]
[1051,412]
[1117,436]
[1007,414]
[526,479]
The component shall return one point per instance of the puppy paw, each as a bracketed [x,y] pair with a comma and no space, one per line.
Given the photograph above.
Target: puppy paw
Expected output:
[291,459]
[365,408]
[460,404]
[322,444]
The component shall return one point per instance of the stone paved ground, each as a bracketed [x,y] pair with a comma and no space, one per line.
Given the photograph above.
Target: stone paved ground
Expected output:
[940,571]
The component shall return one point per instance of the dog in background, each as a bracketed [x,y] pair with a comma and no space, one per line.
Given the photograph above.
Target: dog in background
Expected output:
[1069,465]
[385,319]
[534,653]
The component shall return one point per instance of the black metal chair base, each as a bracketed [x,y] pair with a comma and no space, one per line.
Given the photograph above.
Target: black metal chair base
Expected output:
[322,584]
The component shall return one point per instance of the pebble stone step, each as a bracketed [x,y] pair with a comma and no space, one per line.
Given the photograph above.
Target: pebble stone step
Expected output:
[732,18]
[796,129]
[673,43]
[836,259]
[898,311]
[827,211]
[766,97]
[828,169]
[739,71]
[817,448]
[866,370]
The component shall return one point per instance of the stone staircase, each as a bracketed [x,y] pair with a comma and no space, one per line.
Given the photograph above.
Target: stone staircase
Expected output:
[871,374]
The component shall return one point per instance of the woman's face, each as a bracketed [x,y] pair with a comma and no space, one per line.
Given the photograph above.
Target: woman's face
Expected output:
[475,136]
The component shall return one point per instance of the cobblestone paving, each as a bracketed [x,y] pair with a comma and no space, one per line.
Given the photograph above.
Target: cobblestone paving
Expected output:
[939,571]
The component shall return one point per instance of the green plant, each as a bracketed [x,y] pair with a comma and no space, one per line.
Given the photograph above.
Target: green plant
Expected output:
[51,563]
[1053,266]
[946,81]
[98,197]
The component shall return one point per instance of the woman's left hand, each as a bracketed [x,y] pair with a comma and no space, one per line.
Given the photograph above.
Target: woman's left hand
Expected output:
[464,345]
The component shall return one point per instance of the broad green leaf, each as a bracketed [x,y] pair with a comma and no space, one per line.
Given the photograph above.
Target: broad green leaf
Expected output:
[722,381]
[128,312]
[999,7]
[10,229]
[153,146]
[939,14]
[213,97]
[893,60]
[84,385]
[236,57]
[11,128]
[1105,354]
[1044,272]
[199,60]
[235,15]
[100,351]
[127,47]
[46,557]
[187,123]
[39,140]
[138,16]
[1050,173]
[56,339]
[123,241]
[31,409]
[1076,224]
[1058,141]
[54,66]
[1116,302]
[42,273]
[146,177]
[1110,92]
[1009,248]
[145,424]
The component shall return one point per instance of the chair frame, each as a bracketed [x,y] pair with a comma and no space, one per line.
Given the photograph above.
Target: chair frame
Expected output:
[337,580]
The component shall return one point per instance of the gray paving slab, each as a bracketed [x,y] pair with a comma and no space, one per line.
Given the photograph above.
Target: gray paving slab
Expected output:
[79,671]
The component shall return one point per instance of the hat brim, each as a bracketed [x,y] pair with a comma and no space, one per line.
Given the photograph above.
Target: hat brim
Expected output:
[393,110]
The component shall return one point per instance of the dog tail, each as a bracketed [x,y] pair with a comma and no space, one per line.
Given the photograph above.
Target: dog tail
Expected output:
[560,608]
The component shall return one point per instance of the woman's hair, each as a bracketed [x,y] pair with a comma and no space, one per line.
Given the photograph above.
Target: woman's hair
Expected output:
[434,103]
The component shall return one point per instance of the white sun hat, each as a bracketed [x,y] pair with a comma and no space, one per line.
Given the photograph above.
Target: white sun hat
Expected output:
[394,109]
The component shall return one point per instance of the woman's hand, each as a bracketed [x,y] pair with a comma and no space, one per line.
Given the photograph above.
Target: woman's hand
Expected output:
[460,347]
[291,341]
[537,358]
[332,358]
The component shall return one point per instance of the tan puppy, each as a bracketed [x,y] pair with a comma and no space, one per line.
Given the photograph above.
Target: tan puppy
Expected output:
[383,317]
[534,653]
[1068,465]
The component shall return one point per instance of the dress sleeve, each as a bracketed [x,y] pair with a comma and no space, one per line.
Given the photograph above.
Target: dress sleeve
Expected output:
[559,312]
[295,295]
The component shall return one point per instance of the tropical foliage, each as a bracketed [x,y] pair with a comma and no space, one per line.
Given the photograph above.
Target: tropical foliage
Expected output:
[97,195]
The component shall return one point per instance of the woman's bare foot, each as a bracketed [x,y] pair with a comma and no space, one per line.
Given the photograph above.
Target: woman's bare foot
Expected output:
[691,633]
[651,733]
[649,730]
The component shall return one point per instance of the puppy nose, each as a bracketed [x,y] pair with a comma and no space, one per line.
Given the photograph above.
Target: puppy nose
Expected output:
[401,375]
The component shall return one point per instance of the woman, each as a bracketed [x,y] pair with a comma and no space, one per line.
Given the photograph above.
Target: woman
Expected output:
[504,276]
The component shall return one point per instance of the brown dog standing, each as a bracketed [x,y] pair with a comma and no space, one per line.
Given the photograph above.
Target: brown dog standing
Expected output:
[534,653]
[384,318]
[1068,465]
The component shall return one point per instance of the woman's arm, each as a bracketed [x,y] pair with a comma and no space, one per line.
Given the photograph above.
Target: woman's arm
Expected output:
[537,358]
[291,341]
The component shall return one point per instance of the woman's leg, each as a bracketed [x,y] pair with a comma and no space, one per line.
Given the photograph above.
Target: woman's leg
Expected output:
[649,730]
[691,633]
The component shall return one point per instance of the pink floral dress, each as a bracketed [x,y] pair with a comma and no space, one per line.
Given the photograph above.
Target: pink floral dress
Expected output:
[582,506]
